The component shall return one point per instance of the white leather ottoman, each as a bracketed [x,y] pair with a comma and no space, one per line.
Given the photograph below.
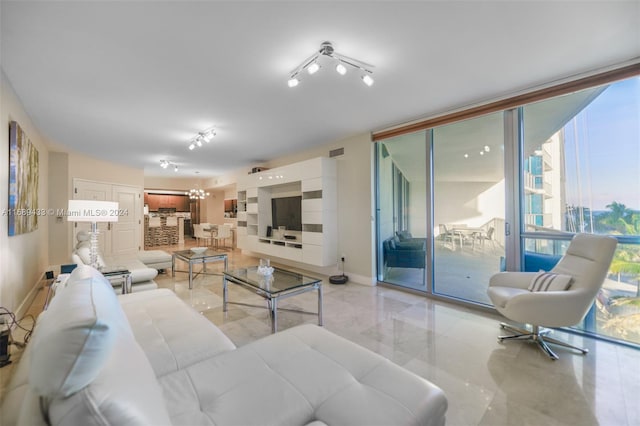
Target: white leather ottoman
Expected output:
[156,259]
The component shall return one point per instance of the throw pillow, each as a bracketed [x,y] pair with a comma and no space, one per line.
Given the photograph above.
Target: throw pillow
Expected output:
[404,235]
[548,281]
[75,335]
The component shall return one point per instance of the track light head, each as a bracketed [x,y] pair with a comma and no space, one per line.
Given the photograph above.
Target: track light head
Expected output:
[366,79]
[192,146]
[341,69]
[175,168]
[293,82]
[208,136]
[313,68]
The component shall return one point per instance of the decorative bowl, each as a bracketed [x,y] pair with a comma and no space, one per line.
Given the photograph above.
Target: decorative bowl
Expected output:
[199,250]
[265,270]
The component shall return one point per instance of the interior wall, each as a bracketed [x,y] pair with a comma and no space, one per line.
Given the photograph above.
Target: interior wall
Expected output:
[59,193]
[214,210]
[89,168]
[23,258]
[172,183]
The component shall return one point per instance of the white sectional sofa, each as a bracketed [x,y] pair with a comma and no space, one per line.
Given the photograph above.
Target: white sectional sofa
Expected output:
[150,359]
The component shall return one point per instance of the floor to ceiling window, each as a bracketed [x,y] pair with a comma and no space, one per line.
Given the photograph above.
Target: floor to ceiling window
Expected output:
[453,184]
[581,173]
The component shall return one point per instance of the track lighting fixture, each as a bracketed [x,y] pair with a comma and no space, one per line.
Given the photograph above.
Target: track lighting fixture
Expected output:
[205,137]
[166,163]
[326,49]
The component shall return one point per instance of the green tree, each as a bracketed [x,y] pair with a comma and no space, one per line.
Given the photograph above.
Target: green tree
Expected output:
[618,211]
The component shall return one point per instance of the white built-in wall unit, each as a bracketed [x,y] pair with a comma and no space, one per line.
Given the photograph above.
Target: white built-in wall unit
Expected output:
[302,196]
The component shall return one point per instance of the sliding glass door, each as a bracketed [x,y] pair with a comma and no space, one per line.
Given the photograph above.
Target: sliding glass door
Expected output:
[460,201]
[440,208]
[468,206]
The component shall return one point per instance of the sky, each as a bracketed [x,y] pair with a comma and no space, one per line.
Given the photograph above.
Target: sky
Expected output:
[608,141]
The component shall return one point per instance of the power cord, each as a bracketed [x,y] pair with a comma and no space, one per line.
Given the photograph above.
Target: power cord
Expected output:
[16,322]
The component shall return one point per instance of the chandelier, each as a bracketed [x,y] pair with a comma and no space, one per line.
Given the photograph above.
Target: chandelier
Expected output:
[197,194]
[326,49]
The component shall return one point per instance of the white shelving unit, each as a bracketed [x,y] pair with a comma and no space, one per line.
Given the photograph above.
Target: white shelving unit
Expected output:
[315,181]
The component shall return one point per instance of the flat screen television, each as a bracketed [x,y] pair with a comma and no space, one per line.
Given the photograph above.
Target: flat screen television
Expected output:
[287,211]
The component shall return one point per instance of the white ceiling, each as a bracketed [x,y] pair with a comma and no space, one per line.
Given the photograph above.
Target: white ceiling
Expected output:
[132,82]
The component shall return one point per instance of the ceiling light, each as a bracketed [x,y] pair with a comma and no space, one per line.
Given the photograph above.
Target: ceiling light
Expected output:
[313,68]
[481,152]
[487,148]
[326,49]
[201,137]
[166,163]
[466,156]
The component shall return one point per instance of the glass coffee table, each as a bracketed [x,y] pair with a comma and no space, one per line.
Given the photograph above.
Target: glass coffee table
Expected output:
[280,285]
[193,258]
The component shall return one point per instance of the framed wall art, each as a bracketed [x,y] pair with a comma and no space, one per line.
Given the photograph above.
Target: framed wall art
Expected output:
[23,182]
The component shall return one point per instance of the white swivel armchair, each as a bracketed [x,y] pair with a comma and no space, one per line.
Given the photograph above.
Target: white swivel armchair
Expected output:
[586,263]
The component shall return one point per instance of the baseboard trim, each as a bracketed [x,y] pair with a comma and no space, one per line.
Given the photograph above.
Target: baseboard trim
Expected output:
[30,297]
[361,279]
[328,271]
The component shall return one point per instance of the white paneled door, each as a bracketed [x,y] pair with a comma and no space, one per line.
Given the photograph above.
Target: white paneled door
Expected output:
[117,238]
[125,233]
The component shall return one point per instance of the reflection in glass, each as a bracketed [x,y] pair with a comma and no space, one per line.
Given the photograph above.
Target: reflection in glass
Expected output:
[402,214]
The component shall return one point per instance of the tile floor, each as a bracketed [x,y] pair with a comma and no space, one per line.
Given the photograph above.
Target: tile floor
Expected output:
[486,383]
